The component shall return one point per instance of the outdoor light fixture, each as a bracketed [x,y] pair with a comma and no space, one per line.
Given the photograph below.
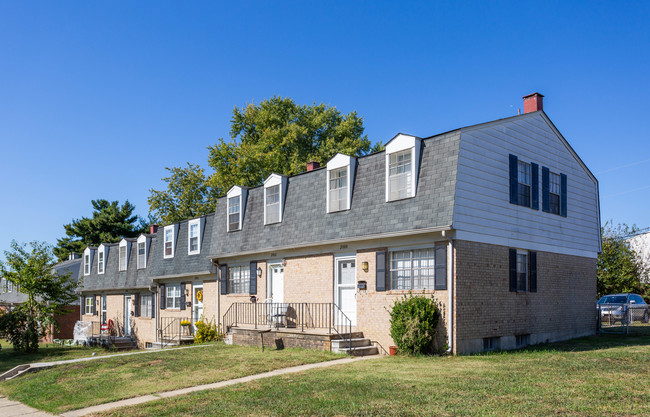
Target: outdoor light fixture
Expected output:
[259,272]
[284,262]
[364,266]
[253,299]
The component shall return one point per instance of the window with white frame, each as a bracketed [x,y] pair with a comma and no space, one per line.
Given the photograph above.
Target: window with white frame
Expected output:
[122,256]
[169,242]
[338,189]
[89,305]
[522,270]
[173,296]
[142,254]
[100,261]
[272,201]
[87,264]
[239,279]
[399,175]
[194,237]
[146,308]
[412,269]
[233,213]
[523,177]
[554,193]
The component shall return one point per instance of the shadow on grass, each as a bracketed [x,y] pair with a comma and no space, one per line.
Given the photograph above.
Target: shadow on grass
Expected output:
[9,358]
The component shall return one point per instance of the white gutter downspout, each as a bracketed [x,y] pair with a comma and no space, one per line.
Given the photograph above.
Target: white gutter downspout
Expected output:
[450,290]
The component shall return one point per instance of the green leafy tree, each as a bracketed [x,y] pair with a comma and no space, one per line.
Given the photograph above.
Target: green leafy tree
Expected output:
[108,224]
[618,270]
[30,269]
[187,195]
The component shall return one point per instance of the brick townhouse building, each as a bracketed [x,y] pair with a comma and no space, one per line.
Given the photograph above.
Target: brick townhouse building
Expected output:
[499,222]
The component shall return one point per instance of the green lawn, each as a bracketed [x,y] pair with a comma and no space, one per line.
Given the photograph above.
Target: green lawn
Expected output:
[80,385]
[48,352]
[606,376]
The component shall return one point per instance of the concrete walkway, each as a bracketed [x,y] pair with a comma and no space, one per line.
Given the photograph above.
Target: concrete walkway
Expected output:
[10,408]
[183,391]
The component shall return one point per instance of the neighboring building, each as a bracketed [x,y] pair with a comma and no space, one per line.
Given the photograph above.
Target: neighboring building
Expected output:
[640,244]
[499,222]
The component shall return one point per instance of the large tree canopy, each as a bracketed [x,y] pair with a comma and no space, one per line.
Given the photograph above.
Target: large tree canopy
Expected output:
[108,224]
[618,270]
[30,269]
[278,136]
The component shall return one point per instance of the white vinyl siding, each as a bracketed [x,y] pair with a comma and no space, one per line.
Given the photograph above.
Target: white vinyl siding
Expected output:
[194,237]
[173,296]
[122,256]
[400,175]
[239,279]
[482,209]
[338,189]
[272,204]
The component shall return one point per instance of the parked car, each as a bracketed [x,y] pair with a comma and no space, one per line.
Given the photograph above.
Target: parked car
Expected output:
[625,308]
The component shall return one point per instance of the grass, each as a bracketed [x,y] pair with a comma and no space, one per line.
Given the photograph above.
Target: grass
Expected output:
[595,376]
[67,387]
[47,352]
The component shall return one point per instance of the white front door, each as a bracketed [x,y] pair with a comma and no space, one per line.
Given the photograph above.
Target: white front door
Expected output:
[346,289]
[276,292]
[127,315]
[197,305]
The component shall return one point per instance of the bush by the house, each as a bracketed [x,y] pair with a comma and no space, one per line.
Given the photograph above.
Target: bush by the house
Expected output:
[413,322]
[206,332]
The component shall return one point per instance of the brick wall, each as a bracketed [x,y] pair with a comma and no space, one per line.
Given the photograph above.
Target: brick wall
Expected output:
[248,337]
[309,279]
[562,307]
[225,301]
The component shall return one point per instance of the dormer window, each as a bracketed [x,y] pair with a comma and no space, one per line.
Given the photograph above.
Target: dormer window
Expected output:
[169,242]
[88,259]
[123,255]
[275,188]
[142,252]
[340,180]
[100,261]
[236,199]
[402,166]
[194,237]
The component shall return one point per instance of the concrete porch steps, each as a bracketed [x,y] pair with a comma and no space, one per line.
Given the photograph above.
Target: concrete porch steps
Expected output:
[357,346]
[123,343]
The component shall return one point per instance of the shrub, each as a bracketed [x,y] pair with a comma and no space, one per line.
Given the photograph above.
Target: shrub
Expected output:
[413,322]
[19,329]
[206,332]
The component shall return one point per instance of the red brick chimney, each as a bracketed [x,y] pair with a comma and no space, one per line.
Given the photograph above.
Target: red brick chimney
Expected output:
[312,166]
[153,229]
[533,102]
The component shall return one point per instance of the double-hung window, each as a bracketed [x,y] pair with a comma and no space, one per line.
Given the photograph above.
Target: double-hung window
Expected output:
[194,237]
[87,264]
[272,204]
[239,279]
[122,256]
[554,193]
[524,184]
[412,269]
[100,262]
[233,213]
[142,255]
[89,305]
[146,305]
[169,242]
[522,271]
[173,296]
[399,175]
[338,189]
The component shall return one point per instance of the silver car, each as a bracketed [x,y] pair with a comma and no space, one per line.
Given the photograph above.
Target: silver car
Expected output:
[625,308]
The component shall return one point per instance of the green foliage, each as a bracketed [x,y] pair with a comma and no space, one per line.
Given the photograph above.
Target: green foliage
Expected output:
[108,224]
[618,270]
[206,332]
[47,294]
[413,322]
[187,195]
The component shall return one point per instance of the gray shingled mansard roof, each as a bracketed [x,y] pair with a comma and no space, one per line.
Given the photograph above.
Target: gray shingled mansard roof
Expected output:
[305,220]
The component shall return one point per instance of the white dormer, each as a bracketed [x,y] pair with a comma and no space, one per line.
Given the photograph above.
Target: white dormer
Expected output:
[124,251]
[88,260]
[142,250]
[169,240]
[194,235]
[236,206]
[402,166]
[102,251]
[275,189]
[340,181]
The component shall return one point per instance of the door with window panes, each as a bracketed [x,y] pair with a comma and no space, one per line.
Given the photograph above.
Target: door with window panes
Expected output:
[346,289]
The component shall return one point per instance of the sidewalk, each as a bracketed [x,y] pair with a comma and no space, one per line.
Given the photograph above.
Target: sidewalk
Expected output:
[10,408]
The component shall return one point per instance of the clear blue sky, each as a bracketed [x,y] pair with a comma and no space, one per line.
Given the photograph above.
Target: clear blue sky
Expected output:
[96,98]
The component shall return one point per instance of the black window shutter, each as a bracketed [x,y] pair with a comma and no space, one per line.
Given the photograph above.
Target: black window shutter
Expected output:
[563,195]
[535,185]
[163,295]
[441,267]
[224,279]
[94,305]
[513,270]
[546,196]
[136,300]
[253,279]
[183,295]
[532,272]
[380,271]
[514,184]
[153,306]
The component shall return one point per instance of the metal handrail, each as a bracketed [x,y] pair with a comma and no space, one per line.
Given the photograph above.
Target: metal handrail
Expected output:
[171,329]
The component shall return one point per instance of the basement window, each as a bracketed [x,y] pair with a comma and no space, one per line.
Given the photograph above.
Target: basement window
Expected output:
[491,343]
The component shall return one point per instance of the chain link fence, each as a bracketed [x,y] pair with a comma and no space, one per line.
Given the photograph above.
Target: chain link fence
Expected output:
[627,319]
